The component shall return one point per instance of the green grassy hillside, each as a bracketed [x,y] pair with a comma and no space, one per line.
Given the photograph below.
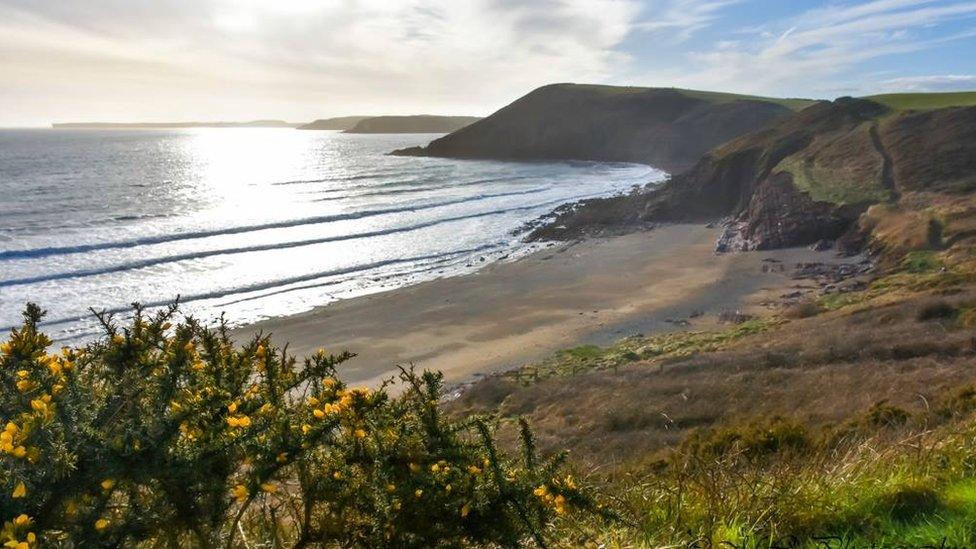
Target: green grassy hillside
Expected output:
[792,103]
[666,128]
[925,101]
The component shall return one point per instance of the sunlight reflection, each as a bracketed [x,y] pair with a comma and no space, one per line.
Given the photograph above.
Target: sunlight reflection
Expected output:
[234,167]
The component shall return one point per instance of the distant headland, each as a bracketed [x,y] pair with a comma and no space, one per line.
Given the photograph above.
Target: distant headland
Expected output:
[420,123]
[171,125]
[350,124]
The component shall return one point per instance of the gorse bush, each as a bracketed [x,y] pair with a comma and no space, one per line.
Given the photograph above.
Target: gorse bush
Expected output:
[165,433]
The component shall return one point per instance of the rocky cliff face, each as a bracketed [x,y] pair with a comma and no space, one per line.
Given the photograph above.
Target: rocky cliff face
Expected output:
[666,128]
[803,179]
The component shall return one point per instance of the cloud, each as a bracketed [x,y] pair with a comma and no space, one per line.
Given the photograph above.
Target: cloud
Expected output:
[932,83]
[297,58]
[683,17]
[823,50]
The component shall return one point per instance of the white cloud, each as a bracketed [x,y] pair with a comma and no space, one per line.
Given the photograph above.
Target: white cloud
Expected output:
[822,51]
[296,59]
[931,83]
[683,17]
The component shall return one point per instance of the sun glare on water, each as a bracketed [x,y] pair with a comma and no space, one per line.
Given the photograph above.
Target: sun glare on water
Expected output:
[233,169]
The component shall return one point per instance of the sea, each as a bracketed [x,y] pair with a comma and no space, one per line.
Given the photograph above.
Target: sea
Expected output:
[252,222]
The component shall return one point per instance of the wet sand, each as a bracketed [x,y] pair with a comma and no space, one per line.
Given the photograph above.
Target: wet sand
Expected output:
[509,314]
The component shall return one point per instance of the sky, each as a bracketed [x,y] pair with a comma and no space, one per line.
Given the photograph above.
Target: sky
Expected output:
[298,60]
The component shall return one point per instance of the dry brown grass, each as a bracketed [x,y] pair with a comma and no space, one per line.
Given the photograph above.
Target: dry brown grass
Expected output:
[822,370]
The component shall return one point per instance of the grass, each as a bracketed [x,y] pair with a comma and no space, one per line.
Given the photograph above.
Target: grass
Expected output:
[795,104]
[925,101]
[654,349]
[904,486]
[826,185]
[922,261]
[919,271]
[897,101]
[792,103]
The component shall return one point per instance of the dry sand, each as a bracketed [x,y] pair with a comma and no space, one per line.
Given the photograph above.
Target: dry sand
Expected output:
[508,314]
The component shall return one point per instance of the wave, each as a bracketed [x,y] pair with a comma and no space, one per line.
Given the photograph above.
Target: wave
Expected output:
[259,248]
[32,253]
[428,267]
[406,189]
[258,286]
[357,177]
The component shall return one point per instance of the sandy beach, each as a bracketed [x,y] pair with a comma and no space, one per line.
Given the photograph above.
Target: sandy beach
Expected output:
[569,294]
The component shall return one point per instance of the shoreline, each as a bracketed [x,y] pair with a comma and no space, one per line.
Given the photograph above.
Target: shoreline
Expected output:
[593,291]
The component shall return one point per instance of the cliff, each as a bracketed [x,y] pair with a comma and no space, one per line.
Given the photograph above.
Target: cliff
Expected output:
[805,178]
[412,124]
[666,128]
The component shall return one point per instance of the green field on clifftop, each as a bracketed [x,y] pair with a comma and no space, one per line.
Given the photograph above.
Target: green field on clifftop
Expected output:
[925,101]
[714,97]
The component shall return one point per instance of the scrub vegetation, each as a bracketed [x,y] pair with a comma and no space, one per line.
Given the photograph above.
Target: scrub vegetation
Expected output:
[164,433]
[845,420]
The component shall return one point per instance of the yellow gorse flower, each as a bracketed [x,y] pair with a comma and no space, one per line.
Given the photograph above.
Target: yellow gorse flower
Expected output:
[8,438]
[559,504]
[19,491]
[239,421]
[102,524]
[22,520]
